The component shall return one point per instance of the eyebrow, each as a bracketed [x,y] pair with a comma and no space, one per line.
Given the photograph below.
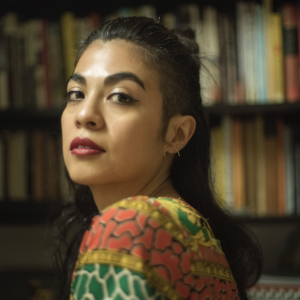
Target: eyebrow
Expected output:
[111,79]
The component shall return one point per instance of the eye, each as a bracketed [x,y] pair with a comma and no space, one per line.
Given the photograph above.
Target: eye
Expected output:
[75,95]
[121,98]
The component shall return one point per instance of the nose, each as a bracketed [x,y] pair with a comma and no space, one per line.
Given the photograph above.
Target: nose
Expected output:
[89,115]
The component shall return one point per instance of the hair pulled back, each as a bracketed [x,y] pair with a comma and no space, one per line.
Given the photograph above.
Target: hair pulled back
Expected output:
[175,55]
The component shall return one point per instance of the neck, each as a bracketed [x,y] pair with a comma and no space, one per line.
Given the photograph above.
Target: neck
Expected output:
[159,186]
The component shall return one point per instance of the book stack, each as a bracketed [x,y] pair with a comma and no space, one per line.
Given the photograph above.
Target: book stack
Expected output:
[247,56]
[256,165]
[31,166]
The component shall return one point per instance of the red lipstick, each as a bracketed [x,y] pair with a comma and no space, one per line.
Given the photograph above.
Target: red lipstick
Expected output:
[85,146]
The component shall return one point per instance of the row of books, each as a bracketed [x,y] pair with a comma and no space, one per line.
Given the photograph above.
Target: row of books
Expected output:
[256,165]
[249,56]
[37,57]
[31,166]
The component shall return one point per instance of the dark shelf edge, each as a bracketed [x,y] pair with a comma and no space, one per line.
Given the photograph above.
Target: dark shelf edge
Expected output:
[31,213]
[247,109]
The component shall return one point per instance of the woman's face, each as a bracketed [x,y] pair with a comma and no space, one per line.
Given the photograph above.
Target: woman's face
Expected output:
[115,102]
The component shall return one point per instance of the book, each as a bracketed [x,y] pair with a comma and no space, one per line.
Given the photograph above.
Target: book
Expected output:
[241,50]
[260,168]
[94,19]
[4,93]
[17,165]
[210,69]
[231,59]
[296,136]
[281,168]
[289,170]
[226,125]
[68,41]
[56,68]
[218,163]
[249,160]
[147,11]
[238,180]
[260,55]
[271,166]
[51,166]
[290,18]
[11,41]
[45,62]
[248,17]
[37,165]
[2,169]
[277,49]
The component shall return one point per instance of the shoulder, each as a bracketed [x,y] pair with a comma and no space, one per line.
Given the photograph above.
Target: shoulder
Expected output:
[165,239]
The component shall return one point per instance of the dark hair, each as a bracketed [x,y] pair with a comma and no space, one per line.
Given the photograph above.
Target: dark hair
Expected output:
[175,55]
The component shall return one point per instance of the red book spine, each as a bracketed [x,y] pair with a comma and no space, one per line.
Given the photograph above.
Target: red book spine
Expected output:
[290,16]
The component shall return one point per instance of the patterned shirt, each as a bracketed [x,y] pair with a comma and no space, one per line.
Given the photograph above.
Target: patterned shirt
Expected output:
[151,248]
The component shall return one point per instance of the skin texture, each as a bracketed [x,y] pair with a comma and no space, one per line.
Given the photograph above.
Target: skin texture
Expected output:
[133,162]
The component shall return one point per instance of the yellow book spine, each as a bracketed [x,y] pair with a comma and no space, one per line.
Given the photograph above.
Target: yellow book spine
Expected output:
[277,49]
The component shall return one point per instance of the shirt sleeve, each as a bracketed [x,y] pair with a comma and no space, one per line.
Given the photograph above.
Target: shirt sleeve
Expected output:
[138,249]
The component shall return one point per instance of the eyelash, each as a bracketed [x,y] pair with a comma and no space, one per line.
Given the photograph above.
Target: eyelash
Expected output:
[131,100]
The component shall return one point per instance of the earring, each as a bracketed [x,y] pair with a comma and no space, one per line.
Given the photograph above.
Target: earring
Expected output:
[171,148]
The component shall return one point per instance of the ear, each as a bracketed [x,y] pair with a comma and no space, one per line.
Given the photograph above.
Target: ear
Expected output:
[180,130]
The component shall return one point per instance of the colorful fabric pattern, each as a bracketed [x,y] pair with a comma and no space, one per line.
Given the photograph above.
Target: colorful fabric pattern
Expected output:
[162,248]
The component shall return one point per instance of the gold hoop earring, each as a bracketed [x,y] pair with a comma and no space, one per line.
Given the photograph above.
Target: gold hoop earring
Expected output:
[171,148]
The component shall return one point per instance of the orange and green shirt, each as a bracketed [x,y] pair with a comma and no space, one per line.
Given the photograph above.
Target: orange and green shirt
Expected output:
[151,248]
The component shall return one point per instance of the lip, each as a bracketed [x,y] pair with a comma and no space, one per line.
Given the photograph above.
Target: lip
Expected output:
[94,148]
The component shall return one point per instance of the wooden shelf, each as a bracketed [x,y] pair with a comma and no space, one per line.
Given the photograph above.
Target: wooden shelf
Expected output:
[219,110]
[30,118]
[26,213]
[32,213]
[33,118]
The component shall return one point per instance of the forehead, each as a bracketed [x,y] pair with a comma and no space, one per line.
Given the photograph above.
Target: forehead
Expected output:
[101,59]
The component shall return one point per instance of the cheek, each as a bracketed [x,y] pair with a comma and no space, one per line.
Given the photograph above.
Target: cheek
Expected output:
[137,137]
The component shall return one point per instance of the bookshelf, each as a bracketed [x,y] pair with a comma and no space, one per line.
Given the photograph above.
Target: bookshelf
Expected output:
[33,213]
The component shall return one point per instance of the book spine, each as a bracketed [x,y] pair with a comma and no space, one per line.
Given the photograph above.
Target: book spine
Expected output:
[2,169]
[231,60]
[260,61]
[94,21]
[296,135]
[4,95]
[241,49]
[290,17]
[289,171]
[17,168]
[46,65]
[56,66]
[68,38]
[249,159]
[211,80]
[223,56]
[238,165]
[251,94]
[226,125]
[281,167]
[271,166]
[277,49]
[260,182]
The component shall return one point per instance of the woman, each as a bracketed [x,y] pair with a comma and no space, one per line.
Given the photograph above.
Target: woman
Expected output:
[137,149]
